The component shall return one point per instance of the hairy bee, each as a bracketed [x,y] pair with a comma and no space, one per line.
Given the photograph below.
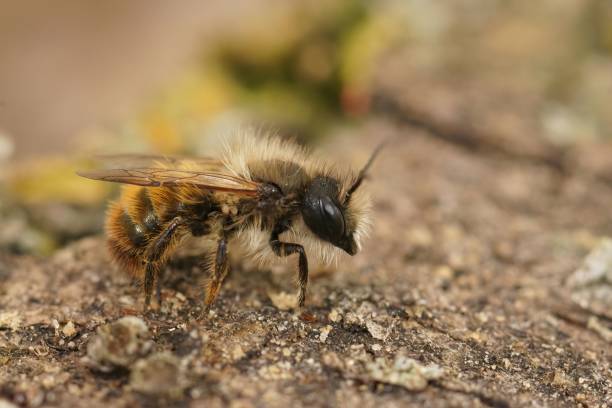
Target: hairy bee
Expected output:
[261,188]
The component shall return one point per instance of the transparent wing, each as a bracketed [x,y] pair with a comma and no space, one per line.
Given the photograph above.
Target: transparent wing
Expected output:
[127,161]
[170,171]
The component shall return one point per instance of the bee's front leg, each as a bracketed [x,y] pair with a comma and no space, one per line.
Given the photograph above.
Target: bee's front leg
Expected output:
[286,249]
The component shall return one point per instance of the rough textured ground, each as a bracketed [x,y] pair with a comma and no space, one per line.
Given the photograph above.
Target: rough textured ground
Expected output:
[460,298]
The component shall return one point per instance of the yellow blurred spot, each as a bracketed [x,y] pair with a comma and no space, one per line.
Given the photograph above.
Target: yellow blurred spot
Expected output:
[55,180]
[199,96]
[362,48]
[161,132]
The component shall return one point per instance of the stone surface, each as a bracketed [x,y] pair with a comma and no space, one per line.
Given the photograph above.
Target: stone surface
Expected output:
[461,293]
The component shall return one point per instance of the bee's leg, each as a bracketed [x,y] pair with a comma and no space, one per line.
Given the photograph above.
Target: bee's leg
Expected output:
[286,249]
[158,285]
[155,252]
[219,272]
[149,278]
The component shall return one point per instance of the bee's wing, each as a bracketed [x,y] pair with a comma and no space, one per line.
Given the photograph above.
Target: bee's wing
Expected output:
[125,161]
[204,177]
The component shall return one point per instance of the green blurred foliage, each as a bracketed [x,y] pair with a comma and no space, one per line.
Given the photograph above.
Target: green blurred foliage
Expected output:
[299,67]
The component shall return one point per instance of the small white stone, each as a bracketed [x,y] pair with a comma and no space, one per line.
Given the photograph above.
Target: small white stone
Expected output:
[405,372]
[6,404]
[377,331]
[69,330]
[283,300]
[324,333]
[335,316]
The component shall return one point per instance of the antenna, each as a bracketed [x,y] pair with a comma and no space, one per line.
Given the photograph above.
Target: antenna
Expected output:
[363,172]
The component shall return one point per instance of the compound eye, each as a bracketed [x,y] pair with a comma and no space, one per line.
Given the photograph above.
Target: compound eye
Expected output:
[334,219]
[322,212]
[324,218]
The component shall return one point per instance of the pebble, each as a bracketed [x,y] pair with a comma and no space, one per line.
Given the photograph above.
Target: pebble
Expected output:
[332,359]
[10,319]
[283,300]
[119,344]
[591,284]
[69,330]
[6,404]
[404,371]
[377,331]
[335,316]
[159,374]
[594,324]
[324,333]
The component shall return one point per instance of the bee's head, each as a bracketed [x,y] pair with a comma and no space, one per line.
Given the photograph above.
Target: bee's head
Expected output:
[325,215]
[334,216]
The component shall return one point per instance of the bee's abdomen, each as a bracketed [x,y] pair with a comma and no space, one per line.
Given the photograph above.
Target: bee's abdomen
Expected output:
[135,233]
[131,224]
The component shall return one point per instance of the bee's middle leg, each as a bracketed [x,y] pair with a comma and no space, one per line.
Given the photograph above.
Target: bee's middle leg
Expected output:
[156,252]
[219,272]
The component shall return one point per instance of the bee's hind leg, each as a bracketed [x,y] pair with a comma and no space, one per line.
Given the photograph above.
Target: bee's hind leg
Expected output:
[219,272]
[149,278]
[159,277]
[156,252]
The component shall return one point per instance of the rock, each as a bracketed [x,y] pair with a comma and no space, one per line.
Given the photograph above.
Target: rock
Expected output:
[6,404]
[403,371]
[159,374]
[361,315]
[69,330]
[377,331]
[17,234]
[598,327]
[119,344]
[10,319]
[324,333]
[335,316]
[591,284]
[283,300]
[278,371]
[561,379]
[332,360]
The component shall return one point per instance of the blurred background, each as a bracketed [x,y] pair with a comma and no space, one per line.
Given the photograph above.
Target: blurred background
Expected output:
[76,78]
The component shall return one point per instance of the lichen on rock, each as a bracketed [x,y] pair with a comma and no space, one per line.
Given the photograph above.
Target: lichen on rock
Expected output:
[403,371]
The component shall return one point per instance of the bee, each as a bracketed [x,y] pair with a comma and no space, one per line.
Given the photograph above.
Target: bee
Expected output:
[270,195]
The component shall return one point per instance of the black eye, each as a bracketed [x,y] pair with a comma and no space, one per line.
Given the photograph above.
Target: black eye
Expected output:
[322,213]
[333,219]
[324,218]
